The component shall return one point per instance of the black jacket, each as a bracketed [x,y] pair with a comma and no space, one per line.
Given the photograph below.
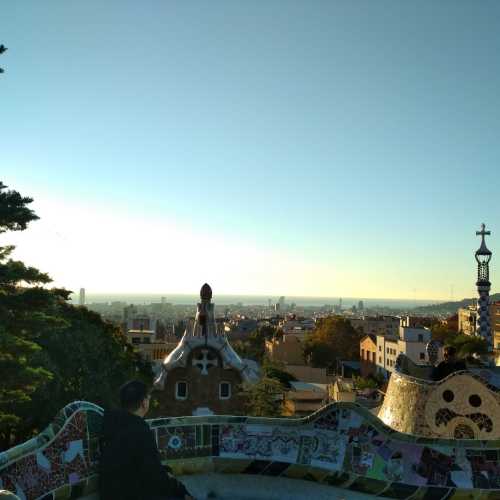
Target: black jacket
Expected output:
[130,466]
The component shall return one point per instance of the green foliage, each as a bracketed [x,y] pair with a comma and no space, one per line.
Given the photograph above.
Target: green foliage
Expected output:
[442,333]
[277,371]
[26,313]
[254,347]
[366,383]
[89,359]
[334,338]
[51,353]
[263,399]
[18,378]
[267,331]
[467,345]
[14,212]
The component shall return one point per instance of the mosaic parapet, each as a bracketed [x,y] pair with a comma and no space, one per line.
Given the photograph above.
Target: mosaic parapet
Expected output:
[342,445]
[61,459]
[464,405]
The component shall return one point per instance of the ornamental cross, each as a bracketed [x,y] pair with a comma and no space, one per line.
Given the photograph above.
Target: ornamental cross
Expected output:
[483,232]
[204,362]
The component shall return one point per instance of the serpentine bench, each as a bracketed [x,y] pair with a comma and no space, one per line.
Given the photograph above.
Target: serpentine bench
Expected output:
[342,445]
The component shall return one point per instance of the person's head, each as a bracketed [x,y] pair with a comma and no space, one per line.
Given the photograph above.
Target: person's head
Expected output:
[134,397]
[449,353]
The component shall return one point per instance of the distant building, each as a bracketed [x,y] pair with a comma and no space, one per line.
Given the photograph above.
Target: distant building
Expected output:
[451,322]
[368,355]
[348,368]
[297,326]
[82,297]
[304,398]
[417,321]
[374,325]
[306,373]
[288,349]
[282,303]
[343,390]
[147,344]
[240,328]
[410,341]
[495,323]
[467,319]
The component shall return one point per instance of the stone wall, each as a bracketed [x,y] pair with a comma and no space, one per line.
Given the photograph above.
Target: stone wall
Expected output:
[463,405]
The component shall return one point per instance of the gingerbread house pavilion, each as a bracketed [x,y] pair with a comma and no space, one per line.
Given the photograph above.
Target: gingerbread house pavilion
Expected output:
[203,374]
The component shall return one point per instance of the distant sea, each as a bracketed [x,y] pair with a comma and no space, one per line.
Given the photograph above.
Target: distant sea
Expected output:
[250,300]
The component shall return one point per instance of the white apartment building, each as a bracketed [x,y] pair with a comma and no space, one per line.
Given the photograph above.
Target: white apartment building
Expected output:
[409,341]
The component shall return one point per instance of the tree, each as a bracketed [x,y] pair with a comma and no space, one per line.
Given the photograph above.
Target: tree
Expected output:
[277,371]
[369,382]
[264,398]
[27,311]
[3,49]
[51,352]
[442,332]
[467,345]
[254,347]
[89,360]
[334,338]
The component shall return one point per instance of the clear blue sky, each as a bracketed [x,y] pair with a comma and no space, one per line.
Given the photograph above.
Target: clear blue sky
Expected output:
[306,148]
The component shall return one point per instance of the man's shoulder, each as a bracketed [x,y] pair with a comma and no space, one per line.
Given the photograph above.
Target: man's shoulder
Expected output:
[120,422]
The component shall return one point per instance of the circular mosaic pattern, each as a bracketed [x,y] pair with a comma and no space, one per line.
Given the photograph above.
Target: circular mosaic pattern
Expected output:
[175,442]
[475,401]
[448,396]
[463,431]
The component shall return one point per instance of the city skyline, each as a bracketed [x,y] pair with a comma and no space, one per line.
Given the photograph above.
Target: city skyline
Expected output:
[327,151]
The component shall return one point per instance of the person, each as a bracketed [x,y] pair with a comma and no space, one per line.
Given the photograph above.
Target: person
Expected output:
[130,466]
[449,365]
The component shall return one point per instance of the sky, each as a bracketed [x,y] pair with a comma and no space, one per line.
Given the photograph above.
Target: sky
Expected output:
[327,148]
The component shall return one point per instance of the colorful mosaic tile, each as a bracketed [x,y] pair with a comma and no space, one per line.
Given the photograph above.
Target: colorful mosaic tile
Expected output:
[342,445]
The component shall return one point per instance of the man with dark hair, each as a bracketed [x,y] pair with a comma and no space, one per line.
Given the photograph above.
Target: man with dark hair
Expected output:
[130,466]
[449,365]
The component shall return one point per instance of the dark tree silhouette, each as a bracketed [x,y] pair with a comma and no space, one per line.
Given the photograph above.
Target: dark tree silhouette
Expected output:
[3,49]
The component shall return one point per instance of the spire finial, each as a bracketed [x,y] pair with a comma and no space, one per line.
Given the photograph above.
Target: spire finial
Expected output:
[483,249]
[483,231]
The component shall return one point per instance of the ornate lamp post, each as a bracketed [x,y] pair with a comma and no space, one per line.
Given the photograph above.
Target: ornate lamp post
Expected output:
[483,257]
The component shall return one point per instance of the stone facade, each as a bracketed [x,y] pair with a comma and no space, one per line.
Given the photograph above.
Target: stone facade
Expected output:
[203,374]
[368,355]
[202,391]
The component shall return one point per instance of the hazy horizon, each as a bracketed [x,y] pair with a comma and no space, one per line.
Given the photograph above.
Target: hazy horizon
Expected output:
[247,299]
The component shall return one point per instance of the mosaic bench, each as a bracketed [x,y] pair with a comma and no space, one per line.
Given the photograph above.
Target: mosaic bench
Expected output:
[342,445]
